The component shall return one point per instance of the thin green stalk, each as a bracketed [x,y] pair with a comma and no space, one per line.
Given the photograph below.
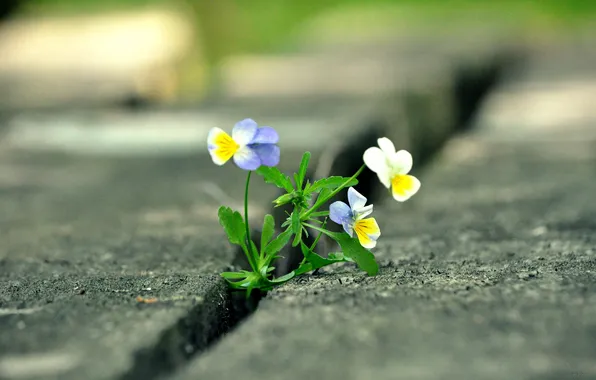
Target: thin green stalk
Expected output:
[321,230]
[314,244]
[249,252]
[319,202]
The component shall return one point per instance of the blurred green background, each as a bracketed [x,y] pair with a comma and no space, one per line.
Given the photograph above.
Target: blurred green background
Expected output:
[225,28]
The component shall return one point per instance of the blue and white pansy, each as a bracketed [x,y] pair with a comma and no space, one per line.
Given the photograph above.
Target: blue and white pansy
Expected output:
[250,145]
[353,218]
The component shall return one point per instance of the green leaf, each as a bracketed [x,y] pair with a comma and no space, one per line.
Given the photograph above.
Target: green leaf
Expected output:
[316,260]
[304,268]
[302,170]
[351,248]
[275,177]
[267,231]
[283,278]
[233,275]
[332,183]
[296,228]
[284,199]
[233,225]
[278,243]
[324,193]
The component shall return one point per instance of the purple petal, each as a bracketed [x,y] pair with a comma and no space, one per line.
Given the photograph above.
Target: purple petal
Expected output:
[348,227]
[356,200]
[266,135]
[340,212]
[244,131]
[268,153]
[247,159]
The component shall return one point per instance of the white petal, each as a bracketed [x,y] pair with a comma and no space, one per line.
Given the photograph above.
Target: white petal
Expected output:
[375,160]
[386,146]
[363,212]
[401,162]
[355,199]
[385,178]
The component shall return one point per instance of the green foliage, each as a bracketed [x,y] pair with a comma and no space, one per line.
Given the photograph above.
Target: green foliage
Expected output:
[267,232]
[302,170]
[331,183]
[352,249]
[275,177]
[302,216]
[233,225]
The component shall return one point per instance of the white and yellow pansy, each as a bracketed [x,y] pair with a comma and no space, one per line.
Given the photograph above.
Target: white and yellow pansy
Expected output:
[392,168]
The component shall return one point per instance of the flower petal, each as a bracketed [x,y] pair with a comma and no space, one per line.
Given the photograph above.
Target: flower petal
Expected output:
[247,159]
[355,199]
[386,146]
[403,186]
[221,146]
[244,131]
[401,162]
[363,212]
[268,153]
[367,231]
[348,227]
[340,212]
[266,135]
[376,161]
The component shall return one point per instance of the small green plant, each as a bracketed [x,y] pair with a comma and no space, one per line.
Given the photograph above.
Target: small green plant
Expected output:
[255,149]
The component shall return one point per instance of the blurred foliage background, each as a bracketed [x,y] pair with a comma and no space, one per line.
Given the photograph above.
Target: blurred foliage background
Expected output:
[224,28]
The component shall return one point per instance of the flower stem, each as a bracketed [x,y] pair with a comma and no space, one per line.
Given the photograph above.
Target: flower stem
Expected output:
[249,252]
[314,244]
[320,202]
[321,230]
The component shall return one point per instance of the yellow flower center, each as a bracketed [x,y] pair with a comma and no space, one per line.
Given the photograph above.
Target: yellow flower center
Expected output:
[226,146]
[364,228]
[401,184]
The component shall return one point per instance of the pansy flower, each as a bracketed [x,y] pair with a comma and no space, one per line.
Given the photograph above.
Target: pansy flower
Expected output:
[352,218]
[392,168]
[250,145]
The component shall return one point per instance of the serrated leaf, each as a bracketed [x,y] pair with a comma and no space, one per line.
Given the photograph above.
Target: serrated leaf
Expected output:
[267,231]
[302,170]
[332,183]
[275,177]
[351,248]
[316,260]
[233,225]
[304,268]
[324,193]
[278,243]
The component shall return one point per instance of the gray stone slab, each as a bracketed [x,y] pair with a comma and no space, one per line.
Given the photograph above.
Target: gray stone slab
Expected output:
[84,237]
[488,273]
[95,216]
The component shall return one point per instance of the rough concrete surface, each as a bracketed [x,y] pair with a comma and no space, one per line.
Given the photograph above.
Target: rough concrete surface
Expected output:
[488,273]
[82,239]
